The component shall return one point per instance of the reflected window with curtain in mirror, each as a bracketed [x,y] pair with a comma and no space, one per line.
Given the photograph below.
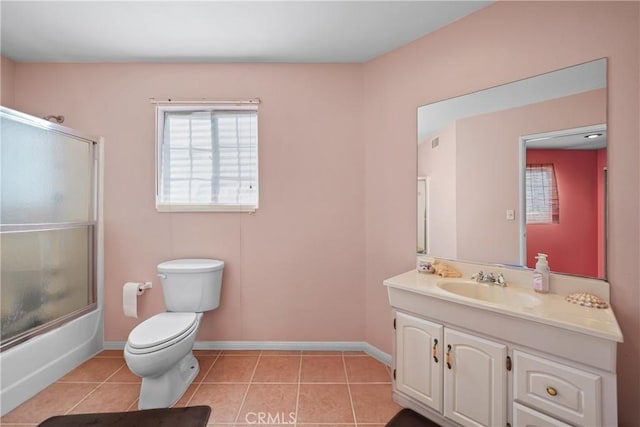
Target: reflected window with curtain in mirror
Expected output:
[543,205]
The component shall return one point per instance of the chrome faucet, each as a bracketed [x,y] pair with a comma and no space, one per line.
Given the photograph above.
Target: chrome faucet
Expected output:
[491,278]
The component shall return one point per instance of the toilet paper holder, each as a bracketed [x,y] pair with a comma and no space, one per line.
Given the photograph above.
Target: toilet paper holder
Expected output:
[143,286]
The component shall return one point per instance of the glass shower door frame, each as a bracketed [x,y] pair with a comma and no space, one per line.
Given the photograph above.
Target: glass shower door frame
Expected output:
[91,225]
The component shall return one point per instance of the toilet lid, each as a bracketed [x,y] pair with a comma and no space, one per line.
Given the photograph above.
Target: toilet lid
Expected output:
[160,328]
[191,265]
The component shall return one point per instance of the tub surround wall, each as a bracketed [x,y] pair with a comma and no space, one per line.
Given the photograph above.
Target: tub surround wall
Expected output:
[504,42]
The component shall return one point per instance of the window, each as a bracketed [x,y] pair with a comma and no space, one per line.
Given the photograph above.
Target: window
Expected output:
[543,206]
[207,158]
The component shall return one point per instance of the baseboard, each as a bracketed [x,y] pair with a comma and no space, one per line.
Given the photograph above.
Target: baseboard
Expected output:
[113,345]
[377,354]
[369,349]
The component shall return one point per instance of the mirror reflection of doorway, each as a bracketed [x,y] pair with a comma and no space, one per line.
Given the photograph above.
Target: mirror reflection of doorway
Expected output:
[563,171]
[422,216]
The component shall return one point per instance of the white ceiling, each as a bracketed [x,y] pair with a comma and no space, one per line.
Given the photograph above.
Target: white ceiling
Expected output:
[218,31]
[572,140]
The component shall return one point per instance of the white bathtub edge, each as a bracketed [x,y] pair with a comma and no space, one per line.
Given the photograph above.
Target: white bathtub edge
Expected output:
[35,364]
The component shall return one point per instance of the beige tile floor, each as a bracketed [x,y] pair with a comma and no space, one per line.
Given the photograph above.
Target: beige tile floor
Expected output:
[244,388]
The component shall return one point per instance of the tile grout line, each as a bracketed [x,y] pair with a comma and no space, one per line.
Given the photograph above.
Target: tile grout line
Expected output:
[133,403]
[261,356]
[246,392]
[298,389]
[202,380]
[100,384]
[346,375]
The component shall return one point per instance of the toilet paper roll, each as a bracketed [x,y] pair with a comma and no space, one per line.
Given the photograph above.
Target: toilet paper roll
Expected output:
[130,292]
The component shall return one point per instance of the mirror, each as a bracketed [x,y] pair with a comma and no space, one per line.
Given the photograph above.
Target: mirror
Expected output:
[510,171]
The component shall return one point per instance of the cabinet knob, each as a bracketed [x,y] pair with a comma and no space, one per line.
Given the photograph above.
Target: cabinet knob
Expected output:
[552,391]
[434,351]
[448,357]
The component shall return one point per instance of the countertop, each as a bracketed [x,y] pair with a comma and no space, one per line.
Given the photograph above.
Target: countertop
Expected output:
[553,309]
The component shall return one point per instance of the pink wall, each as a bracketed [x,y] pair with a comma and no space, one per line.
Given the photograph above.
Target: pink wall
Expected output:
[504,42]
[572,244]
[294,269]
[7,77]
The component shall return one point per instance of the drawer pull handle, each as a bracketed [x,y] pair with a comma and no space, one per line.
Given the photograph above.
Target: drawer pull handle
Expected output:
[552,391]
[434,351]
[448,357]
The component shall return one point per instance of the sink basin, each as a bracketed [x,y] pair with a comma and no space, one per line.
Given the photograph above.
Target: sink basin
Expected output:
[510,296]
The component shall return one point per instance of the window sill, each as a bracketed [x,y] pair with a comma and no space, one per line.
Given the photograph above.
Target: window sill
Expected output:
[172,207]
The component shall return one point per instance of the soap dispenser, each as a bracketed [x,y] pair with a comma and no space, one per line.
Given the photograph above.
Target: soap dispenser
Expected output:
[541,274]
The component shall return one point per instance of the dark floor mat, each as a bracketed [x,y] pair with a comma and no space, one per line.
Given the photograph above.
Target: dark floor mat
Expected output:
[193,416]
[408,418]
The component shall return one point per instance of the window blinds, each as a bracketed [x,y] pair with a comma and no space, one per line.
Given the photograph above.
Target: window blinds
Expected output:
[543,204]
[208,158]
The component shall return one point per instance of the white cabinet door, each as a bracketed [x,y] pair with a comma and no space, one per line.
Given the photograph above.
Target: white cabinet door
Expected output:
[418,371]
[475,380]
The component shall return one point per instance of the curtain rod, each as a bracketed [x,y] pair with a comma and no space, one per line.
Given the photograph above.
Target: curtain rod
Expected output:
[253,101]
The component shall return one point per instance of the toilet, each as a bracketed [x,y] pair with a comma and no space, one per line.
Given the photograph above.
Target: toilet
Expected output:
[160,349]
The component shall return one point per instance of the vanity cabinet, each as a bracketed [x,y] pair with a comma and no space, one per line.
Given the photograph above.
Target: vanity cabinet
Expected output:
[457,374]
[555,388]
[549,364]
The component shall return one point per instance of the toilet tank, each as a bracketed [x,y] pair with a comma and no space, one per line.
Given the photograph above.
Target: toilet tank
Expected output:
[191,285]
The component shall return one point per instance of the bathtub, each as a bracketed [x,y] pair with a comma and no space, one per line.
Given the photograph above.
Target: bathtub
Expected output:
[33,365]
[30,366]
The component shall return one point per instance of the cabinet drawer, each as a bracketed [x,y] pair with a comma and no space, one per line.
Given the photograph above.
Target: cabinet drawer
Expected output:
[560,390]
[523,416]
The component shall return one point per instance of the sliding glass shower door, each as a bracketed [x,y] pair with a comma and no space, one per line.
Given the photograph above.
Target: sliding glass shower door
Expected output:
[48,181]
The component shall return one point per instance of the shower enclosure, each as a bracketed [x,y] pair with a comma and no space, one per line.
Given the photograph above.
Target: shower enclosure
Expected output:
[49,250]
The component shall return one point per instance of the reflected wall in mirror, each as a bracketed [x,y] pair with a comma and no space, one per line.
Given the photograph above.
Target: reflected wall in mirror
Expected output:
[473,153]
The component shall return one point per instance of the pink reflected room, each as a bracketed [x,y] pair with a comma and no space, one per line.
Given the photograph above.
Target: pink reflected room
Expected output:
[319,213]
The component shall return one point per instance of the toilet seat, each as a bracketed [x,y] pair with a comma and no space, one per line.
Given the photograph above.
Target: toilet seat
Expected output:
[161,331]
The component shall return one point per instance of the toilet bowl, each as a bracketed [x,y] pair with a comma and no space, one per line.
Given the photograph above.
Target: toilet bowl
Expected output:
[160,349]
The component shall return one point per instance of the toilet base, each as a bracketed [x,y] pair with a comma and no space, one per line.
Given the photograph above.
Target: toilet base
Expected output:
[165,390]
